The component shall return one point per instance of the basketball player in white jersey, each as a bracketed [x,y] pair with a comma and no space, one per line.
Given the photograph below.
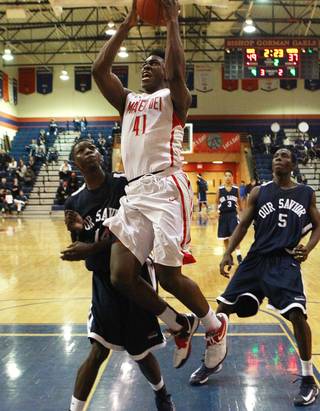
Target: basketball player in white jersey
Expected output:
[156,212]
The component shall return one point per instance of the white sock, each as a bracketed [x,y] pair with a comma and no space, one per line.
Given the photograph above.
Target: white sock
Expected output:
[238,252]
[169,317]
[76,405]
[306,368]
[210,321]
[158,386]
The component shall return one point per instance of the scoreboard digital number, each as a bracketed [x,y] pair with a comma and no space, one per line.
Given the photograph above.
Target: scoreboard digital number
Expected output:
[271,63]
[285,58]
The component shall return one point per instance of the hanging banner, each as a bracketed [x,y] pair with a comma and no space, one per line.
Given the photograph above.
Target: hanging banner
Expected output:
[204,78]
[44,80]
[11,97]
[251,84]
[122,72]
[216,142]
[15,91]
[1,84]
[269,84]
[228,85]
[82,78]
[190,77]
[312,85]
[27,80]
[288,84]
[5,87]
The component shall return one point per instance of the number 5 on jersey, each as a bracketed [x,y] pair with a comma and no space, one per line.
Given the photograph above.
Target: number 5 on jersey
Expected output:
[140,123]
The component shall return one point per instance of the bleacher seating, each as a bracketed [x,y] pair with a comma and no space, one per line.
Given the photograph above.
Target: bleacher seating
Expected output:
[263,163]
[94,133]
[19,150]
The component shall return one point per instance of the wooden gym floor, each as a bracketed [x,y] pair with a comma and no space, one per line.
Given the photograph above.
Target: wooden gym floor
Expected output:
[43,309]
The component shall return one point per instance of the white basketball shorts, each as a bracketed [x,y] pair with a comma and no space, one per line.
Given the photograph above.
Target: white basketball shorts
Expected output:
[155,215]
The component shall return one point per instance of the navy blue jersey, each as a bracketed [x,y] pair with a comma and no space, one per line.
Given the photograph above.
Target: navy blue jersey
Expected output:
[95,206]
[281,217]
[228,200]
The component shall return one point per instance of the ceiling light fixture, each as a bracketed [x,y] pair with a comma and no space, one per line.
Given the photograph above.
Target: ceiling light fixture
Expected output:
[64,75]
[123,52]
[7,55]
[111,29]
[249,26]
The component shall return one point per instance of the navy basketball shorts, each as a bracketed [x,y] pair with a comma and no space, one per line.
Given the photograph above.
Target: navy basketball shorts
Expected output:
[119,324]
[227,224]
[276,277]
[202,197]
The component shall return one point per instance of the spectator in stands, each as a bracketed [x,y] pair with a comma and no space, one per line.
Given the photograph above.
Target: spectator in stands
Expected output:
[53,127]
[243,194]
[89,137]
[53,155]
[32,163]
[3,183]
[83,124]
[65,170]
[20,201]
[6,143]
[73,183]
[4,160]
[32,148]
[8,201]
[304,179]
[21,170]
[2,200]
[251,185]
[287,142]
[62,192]
[12,167]
[267,142]
[42,137]
[41,153]
[29,176]
[16,187]
[76,124]
[101,144]
[309,144]
[116,132]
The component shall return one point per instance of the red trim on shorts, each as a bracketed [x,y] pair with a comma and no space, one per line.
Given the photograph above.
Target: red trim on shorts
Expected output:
[183,210]
[175,122]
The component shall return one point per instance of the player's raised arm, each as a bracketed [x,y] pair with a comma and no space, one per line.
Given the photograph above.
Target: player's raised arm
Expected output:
[108,83]
[175,61]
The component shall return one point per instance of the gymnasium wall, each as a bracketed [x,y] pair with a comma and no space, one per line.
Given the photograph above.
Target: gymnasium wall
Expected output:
[66,102]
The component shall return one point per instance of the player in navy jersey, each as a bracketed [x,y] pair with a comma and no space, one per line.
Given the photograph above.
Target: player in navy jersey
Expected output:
[227,203]
[114,322]
[283,212]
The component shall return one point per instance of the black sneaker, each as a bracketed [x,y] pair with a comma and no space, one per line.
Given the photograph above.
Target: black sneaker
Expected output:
[165,403]
[202,374]
[308,392]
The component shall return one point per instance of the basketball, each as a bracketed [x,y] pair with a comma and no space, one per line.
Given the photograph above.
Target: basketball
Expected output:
[151,12]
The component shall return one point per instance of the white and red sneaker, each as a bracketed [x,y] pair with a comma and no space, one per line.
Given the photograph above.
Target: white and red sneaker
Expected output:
[216,349]
[183,340]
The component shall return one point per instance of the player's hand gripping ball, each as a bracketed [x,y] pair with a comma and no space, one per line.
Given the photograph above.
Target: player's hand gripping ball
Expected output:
[157,12]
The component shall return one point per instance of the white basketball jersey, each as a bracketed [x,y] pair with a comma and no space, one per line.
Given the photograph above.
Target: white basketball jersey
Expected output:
[152,134]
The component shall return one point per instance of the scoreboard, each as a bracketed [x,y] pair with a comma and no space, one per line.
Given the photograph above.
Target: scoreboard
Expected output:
[288,58]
